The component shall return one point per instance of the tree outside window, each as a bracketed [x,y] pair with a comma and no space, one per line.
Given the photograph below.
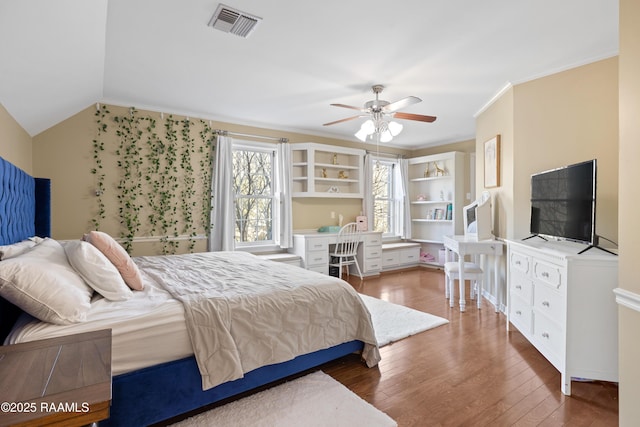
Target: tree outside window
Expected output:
[254,195]
[384,212]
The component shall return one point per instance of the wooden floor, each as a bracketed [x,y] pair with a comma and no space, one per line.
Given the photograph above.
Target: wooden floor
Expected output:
[470,372]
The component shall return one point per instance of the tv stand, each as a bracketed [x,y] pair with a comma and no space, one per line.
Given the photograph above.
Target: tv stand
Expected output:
[596,246]
[535,235]
[563,303]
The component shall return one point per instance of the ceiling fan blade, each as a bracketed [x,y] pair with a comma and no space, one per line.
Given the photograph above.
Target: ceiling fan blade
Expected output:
[342,120]
[349,106]
[398,105]
[418,117]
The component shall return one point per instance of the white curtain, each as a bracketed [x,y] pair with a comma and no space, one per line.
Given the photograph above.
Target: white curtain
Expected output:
[222,209]
[403,192]
[283,216]
[367,200]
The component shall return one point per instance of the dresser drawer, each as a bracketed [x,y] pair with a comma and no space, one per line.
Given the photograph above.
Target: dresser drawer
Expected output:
[548,337]
[519,262]
[549,301]
[520,314]
[521,286]
[547,273]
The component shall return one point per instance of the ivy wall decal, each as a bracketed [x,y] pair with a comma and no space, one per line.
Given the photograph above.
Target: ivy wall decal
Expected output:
[160,173]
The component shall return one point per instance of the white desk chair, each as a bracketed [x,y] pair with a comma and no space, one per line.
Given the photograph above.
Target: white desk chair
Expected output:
[346,248]
[472,272]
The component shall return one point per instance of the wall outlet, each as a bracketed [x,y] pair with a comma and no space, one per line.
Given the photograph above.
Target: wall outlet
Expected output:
[333,215]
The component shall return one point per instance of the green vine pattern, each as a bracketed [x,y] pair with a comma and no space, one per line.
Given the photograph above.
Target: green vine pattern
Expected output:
[205,150]
[163,182]
[98,169]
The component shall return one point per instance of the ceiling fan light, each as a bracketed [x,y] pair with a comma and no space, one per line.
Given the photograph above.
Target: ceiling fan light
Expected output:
[395,128]
[386,136]
[361,135]
[368,127]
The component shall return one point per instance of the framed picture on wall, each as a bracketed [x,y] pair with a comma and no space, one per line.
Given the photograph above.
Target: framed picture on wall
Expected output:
[492,162]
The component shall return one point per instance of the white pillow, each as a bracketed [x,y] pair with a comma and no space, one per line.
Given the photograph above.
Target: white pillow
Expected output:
[42,283]
[96,269]
[7,251]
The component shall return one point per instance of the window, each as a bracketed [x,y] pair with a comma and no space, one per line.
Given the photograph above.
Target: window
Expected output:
[253,182]
[387,197]
[383,209]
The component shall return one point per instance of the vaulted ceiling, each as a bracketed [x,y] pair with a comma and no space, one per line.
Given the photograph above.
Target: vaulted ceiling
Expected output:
[59,56]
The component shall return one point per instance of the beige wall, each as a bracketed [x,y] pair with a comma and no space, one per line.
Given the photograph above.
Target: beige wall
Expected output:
[629,320]
[497,119]
[64,154]
[550,122]
[15,142]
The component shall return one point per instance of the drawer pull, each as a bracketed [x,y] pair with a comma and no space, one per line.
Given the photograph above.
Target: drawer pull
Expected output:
[545,303]
[518,287]
[545,335]
[518,263]
[545,274]
[518,312]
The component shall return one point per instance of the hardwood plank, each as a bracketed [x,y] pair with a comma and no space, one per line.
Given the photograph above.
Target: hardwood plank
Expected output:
[470,372]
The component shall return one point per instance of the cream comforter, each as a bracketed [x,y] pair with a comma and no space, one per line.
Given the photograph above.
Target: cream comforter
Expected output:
[243,312]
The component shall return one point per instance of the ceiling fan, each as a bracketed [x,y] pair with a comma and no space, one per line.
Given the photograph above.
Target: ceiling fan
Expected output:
[379,113]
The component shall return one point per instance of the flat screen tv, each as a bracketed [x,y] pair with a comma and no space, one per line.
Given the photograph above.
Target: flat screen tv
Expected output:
[563,203]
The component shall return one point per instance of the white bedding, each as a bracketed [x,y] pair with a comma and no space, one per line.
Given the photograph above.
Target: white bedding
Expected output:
[255,312]
[244,312]
[141,327]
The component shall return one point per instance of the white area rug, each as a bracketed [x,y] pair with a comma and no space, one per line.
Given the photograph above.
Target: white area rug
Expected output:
[393,322]
[313,400]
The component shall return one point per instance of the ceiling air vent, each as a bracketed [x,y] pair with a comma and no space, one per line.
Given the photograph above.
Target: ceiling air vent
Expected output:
[233,21]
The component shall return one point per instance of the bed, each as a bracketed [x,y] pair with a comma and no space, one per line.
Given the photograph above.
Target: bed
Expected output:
[195,370]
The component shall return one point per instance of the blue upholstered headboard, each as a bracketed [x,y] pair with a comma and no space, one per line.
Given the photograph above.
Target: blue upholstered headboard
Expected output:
[25,211]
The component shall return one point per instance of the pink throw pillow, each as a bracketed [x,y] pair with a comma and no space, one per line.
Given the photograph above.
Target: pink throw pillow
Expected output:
[118,257]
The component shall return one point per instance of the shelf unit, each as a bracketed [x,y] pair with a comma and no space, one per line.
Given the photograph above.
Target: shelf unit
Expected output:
[430,196]
[320,170]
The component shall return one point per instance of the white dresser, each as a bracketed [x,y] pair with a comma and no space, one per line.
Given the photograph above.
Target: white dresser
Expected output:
[313,248]
[563,303]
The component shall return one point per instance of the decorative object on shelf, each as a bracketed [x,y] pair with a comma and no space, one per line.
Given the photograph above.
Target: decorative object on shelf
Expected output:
[361,220]
[324,172]
[333,189]
[442,195]
[492,162]
[342,175]
[379,113]
[439,171]
[335,158]
[427,174]
[421,198]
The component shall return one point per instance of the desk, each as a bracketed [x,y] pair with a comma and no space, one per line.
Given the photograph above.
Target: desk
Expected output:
[62,381]
[313,248]
[461,246]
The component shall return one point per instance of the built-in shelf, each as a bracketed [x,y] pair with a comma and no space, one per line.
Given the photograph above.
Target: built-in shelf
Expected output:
[432,192]
[320,170]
